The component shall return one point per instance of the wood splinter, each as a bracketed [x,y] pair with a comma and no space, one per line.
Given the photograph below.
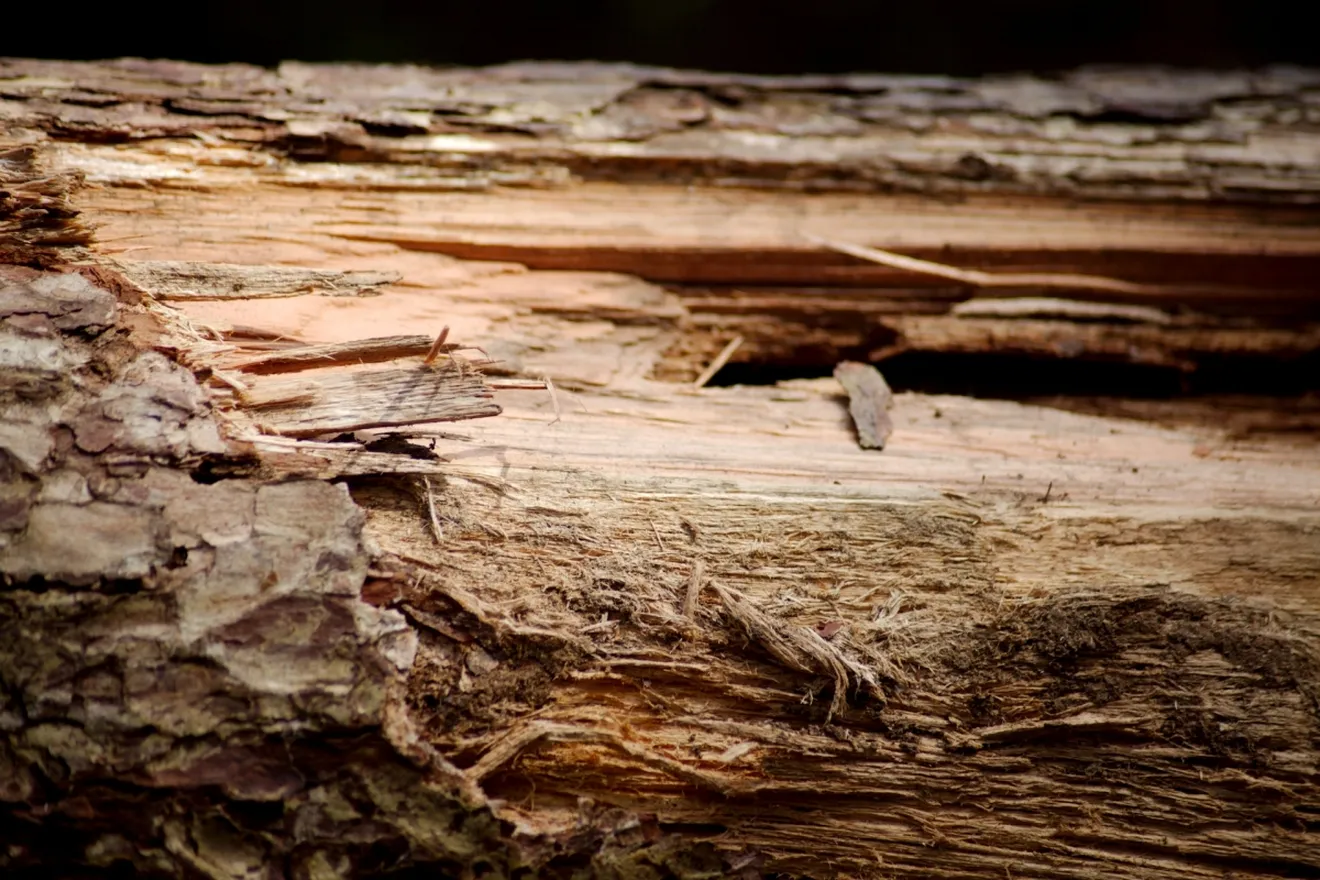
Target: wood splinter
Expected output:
[693,590]
[436,348]
[554,397]
[436,531]
[1047,280]
[718,364]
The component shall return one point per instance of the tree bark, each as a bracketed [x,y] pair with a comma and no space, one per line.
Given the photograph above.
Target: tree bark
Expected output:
[265,614]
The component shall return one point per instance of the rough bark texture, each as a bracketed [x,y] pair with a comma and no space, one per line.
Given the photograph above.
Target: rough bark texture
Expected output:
[262,616]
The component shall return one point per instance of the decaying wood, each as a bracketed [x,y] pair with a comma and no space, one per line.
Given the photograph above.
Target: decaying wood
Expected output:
[655,631]
[1149,182]
[36,217]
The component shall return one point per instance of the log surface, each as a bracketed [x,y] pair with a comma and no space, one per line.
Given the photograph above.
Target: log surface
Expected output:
[628,628]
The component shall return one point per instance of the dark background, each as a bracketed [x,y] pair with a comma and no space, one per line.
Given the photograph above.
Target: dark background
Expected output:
[755,36]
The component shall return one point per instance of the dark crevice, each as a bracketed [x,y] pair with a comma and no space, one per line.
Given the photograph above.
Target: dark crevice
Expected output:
[213,470]
[102,586]
[1015,377]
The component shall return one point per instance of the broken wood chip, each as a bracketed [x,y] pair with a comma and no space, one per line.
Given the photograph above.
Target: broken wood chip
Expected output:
[303,357]
[37,217]
[869,399]
[341,400]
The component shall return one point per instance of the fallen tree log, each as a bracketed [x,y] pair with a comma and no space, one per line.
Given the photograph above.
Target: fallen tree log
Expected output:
[267,612]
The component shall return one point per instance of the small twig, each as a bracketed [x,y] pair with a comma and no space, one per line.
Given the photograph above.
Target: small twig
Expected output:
[718,364]
[693,590]
[436,531]
[435,349]
[976,278]
[223,377]
[295,443]
[659,543]
[1051,307]
[554,397]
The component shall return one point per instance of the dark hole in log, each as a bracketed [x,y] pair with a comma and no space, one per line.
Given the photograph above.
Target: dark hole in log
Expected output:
[1012,377]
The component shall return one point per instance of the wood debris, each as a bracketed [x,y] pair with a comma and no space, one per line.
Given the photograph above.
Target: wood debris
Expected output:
[869,399]
[436,347]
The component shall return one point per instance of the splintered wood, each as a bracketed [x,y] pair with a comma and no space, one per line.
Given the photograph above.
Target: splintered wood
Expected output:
[291,389]
[37,219]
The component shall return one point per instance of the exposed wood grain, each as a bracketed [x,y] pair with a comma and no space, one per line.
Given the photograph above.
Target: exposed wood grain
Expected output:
[948,550]
[301,357]
[348,401]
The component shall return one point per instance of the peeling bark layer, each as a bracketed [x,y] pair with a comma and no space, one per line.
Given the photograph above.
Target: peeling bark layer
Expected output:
[181,651]
[1113,133]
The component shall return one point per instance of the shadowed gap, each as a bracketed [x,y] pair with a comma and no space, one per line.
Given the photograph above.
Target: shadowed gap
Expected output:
[1013,377]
